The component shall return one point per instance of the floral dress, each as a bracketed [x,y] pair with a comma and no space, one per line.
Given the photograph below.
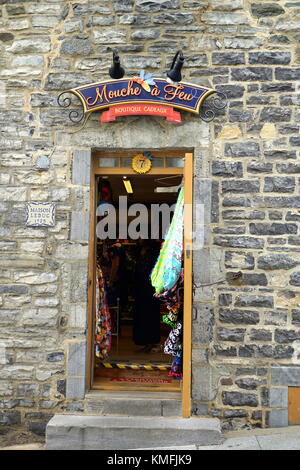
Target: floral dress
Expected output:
[103,319]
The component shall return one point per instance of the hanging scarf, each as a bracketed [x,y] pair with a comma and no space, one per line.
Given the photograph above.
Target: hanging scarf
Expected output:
[166,271]
[103,319]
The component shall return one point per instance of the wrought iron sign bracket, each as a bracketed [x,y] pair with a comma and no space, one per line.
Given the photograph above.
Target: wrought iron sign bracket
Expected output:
[74,115]
[209,110]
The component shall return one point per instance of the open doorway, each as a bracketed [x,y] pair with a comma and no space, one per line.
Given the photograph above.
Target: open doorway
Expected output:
[137,332]
[134,363]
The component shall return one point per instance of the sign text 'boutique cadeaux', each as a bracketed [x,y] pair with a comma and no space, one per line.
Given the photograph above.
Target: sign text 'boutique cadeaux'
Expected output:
[143,95]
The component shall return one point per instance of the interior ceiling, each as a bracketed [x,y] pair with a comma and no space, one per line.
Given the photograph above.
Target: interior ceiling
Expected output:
[143,188]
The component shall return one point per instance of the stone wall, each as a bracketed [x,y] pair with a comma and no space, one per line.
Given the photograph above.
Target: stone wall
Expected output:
[245,173]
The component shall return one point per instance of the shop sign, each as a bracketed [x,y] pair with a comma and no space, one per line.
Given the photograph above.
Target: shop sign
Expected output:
[40,214]
[144,95]
[141,110]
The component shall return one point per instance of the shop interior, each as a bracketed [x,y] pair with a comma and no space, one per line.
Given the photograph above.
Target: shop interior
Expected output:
[132,355]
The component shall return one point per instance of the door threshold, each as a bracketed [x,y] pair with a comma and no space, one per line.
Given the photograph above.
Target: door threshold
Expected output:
[137,384]
[133,394]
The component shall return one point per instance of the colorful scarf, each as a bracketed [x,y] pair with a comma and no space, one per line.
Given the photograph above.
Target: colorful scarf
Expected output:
[166,271]
[103,319]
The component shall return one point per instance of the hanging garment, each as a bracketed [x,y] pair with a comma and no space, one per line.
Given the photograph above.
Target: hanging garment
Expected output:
[173,344]
[166,271]
[173,301]
[103,319]
[176,368]
[146,313]
[118,285]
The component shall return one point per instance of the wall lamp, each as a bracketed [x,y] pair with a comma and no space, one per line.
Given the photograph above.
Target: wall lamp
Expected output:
[127,185]
[116,71]
[174,74]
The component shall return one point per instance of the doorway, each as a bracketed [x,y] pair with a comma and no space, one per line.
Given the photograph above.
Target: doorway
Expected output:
[131,364]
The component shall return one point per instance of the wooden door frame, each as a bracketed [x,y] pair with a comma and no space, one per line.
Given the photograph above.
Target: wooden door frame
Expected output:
[188,297]
[187,172]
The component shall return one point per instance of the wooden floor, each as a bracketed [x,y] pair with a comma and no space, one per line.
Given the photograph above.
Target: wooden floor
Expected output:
[124,351]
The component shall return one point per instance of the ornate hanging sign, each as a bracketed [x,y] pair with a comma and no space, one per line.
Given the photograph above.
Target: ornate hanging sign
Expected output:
[141,95]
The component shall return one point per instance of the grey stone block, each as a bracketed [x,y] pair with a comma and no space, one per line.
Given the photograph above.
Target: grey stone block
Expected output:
[75,387]
[37,427]
[200,356]
[239,399]
[122,432]
[42,162]
[171,408]
[134,406]
[203,325]
[76,46]
[276,261]
[278,418]
[279,397]
[156,5]
[9,418]
[286,375]
[266,9]
[205,382]
[74,282]
[200,409]
[79,226]
[81,167]
[76,359]
[123,407]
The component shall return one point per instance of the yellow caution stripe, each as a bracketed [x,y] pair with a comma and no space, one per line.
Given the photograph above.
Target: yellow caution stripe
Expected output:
[118,365]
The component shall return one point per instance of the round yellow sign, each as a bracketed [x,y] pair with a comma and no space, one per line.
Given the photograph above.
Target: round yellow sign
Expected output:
[141,164]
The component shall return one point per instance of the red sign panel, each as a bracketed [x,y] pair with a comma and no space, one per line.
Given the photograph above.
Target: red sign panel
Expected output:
[141,380]
[141,109]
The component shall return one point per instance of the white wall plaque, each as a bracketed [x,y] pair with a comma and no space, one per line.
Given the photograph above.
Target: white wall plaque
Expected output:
[40,214]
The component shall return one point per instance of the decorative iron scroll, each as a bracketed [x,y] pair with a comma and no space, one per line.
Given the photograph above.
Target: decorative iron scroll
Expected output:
[129,92]
[74,115]
[218,102]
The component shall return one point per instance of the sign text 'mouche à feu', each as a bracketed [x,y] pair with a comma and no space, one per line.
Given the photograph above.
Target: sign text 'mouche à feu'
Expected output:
[184,96]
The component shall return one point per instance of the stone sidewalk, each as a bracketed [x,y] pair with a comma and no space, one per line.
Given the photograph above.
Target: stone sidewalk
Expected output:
[256,439]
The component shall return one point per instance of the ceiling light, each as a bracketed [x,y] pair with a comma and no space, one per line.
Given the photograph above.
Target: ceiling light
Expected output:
[127,185]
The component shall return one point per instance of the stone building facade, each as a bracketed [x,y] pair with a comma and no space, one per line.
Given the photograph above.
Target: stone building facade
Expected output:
[246,332]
